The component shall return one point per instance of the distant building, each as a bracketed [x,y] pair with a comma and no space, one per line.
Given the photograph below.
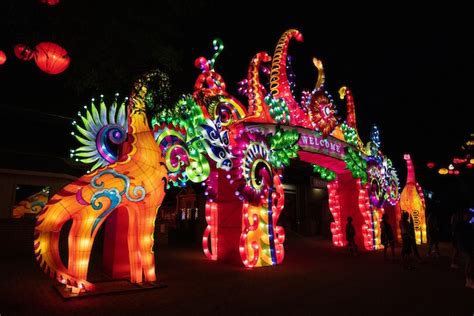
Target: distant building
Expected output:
[23,177]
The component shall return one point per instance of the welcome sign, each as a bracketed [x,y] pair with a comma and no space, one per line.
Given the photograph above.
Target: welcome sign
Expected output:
[329,146]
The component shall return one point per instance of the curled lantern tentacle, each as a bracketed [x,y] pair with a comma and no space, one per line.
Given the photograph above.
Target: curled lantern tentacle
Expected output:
[177,159]
[346,93]
[318,105]
[258,110]
[321,77]
[279,83]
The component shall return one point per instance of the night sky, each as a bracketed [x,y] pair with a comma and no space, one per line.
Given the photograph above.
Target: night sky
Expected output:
[410,69]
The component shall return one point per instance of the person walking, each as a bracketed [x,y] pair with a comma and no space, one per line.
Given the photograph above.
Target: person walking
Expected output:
[406,240]
[412,233]
[466,247]
[455,220]
[387,237]
[350,237]
[433,231]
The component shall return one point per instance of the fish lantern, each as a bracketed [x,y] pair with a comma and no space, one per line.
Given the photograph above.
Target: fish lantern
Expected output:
[51,58]
[3,57]
[430,165]
[23,52]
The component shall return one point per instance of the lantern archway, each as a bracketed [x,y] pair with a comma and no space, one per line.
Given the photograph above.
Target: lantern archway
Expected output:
[239,152]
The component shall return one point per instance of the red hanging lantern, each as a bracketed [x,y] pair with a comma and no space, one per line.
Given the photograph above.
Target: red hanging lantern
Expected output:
[3,57]
[459,160]
[50,2]
[430,165]
[51,58]
[469,165]
[23,52]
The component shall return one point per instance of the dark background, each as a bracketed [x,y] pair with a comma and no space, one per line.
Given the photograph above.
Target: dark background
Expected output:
[410,69]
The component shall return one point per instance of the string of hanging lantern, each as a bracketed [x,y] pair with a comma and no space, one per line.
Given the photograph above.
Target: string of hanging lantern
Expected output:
[50,58]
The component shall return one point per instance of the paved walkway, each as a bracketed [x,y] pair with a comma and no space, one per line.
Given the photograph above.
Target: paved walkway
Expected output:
[315,279]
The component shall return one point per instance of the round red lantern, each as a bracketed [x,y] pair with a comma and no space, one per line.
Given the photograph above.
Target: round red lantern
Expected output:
[3,57]
[430,165]
[23,52]
[50,2]
[469,165]
[51,58]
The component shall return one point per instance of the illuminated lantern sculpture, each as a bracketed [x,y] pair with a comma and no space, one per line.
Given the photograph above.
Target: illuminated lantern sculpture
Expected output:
[412,201]
[51,58]
[430,165]
[238,152]
[3,57]
[382,187]
[133,182]
[31,205]
[23,52]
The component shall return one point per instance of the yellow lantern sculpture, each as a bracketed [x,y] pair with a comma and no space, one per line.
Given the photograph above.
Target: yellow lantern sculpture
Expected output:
[412,201]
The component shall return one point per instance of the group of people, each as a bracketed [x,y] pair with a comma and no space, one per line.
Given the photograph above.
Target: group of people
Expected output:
[463,244]
[462,236]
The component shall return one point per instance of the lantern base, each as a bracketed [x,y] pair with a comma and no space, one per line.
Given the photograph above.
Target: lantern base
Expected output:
[107,287]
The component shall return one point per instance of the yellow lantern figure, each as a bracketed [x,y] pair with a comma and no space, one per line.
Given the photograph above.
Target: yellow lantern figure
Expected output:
[136,182]
[413,202]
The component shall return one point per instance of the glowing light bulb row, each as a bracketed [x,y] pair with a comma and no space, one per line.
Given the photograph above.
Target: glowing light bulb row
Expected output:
[366,211]
[335,208]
